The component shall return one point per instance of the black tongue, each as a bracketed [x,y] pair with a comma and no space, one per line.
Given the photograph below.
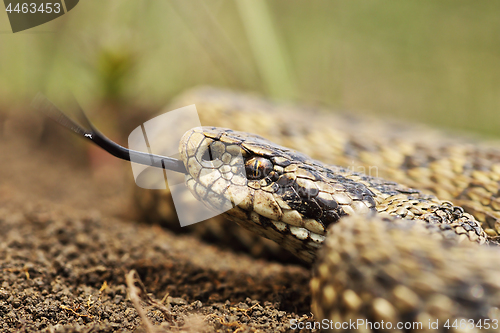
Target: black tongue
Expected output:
[42,104]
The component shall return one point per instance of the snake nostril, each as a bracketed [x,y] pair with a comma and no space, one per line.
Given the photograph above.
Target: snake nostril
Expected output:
[208,155]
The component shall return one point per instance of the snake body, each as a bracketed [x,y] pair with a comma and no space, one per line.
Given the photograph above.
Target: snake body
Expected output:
[451,167]
[383,251]
[367,271]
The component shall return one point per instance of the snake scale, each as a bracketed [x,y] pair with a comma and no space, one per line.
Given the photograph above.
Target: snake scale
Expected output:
[384,250]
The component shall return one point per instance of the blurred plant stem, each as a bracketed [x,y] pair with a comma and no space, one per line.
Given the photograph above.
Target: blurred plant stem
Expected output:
[270,57]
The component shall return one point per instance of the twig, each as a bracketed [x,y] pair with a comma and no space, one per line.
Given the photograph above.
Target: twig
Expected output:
[133,292]
[137,291]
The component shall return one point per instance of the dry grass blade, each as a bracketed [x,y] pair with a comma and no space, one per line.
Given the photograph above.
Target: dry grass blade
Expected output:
[137,292]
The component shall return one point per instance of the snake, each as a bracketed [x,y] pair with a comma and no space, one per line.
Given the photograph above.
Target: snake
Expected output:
[453,167]
[386,256]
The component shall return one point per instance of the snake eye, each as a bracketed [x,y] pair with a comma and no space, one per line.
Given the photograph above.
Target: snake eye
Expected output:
[258,167]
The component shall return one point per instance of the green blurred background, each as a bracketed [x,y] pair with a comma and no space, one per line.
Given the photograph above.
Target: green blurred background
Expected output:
[426,61]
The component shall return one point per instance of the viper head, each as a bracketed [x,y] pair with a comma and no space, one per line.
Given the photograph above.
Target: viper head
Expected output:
[274,191]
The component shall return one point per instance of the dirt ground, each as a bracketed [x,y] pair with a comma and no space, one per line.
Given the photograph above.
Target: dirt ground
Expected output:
[69,249]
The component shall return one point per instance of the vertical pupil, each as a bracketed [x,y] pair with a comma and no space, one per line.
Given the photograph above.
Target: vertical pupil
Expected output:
[258,167]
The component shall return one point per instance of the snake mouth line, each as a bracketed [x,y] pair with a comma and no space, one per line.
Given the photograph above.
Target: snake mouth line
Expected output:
[42,104]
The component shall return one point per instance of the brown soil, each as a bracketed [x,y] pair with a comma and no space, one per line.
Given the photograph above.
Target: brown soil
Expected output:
[67,242]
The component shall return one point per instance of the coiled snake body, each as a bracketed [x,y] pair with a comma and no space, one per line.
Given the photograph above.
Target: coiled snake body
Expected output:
[388,252]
